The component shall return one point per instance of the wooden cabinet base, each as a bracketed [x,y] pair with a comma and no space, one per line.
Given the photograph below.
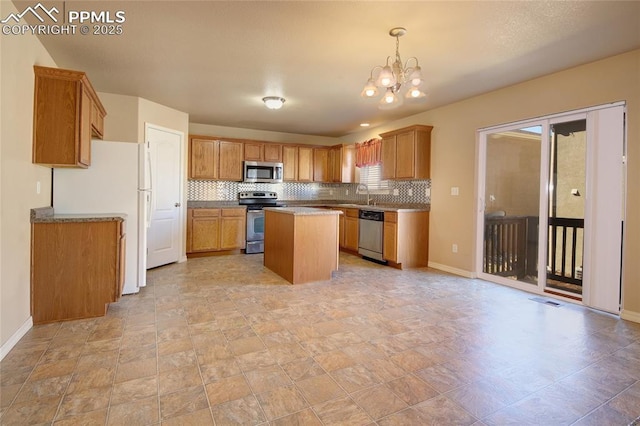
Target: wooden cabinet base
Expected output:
[76,269]
[213,253]
[301,248]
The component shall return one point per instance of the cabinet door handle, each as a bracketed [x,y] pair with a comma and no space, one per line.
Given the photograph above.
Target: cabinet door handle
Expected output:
[177,204]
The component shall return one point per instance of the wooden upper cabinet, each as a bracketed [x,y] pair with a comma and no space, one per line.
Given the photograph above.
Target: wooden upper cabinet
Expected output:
[230,161]
[342,167]
[202,155]
[290,163]
[388,157]
[273,152]
[253,151]
[406,153]
[210,158]
[67,113]
[259,151]
[305,164]
[321,165]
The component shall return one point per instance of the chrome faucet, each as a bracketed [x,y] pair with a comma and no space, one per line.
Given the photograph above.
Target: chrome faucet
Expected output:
[366,188]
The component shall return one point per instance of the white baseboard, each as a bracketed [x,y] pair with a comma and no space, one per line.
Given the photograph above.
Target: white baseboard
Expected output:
[15,338]
[630,315]
[452,270]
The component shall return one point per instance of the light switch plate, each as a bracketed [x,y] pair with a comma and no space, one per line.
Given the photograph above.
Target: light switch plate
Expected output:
[455,190]
[396,191]
[410,192]
[427,192]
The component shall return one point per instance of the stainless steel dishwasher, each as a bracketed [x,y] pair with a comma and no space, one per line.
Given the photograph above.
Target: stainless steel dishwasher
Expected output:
[370,234]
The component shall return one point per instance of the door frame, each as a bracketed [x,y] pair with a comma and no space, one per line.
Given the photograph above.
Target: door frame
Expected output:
[182,216]
[544,121]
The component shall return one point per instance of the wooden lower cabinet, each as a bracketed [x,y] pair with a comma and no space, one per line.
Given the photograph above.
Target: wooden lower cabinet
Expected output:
[77,269]
[406,239]
[351,229]
[212,230]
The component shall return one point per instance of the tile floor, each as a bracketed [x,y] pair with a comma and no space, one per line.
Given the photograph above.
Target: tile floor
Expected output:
[223,340]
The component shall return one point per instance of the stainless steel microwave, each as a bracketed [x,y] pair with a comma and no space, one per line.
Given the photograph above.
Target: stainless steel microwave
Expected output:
[259,171]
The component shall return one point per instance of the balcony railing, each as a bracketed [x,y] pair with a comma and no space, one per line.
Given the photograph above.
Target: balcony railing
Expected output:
[511,248]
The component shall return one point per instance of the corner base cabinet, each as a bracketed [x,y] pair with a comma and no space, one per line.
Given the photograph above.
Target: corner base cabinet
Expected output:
[77,269]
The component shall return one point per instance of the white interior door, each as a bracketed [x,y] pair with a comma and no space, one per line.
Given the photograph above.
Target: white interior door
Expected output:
[164,235]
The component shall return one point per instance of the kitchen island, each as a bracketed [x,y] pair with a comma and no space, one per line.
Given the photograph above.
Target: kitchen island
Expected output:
[301,243]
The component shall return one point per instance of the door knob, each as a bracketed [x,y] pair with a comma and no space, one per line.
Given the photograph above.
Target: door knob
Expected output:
[177,204]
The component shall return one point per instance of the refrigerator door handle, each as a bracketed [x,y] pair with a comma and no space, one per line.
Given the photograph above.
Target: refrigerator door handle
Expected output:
[150,170]
[149,207]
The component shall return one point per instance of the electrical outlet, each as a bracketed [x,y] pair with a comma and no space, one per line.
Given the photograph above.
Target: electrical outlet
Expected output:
[346,192]
[427,192]
[396,191]
[410,192]
[454,248]
[331,192]
[455,190]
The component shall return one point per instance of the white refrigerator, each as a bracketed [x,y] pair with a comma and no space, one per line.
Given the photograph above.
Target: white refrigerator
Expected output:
[117,181]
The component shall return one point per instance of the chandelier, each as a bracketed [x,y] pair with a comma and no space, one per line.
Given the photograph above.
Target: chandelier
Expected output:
[392,77]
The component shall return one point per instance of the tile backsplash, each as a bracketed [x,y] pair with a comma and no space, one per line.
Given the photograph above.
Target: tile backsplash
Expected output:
[411,191]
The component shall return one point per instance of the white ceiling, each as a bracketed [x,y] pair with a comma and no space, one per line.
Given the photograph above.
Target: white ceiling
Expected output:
[216,59]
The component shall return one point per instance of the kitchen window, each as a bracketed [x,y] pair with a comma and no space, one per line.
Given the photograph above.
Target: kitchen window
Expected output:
[368,161]
[372,177]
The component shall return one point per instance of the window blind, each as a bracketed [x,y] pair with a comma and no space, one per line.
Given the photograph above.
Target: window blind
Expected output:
[372,177]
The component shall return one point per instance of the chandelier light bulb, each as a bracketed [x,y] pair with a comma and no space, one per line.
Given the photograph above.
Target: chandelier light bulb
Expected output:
[370,90]
[389,97]
[415,93]
[416,76]
[386,77]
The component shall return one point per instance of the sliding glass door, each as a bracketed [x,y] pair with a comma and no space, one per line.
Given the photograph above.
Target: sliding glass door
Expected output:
[551,205]
[511,197]
[567,192]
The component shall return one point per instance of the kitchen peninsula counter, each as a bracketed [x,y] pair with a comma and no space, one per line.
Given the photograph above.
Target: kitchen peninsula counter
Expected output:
[301,243]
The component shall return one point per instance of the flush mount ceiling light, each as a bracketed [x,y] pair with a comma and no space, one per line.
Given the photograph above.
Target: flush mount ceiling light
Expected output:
[273,102]
[392,77]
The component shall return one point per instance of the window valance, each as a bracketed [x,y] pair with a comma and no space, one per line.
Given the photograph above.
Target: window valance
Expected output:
[368,152]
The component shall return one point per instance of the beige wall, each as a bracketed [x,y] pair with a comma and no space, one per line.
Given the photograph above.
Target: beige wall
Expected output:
[261,135]
[18,177]
[121,122]
[454,150]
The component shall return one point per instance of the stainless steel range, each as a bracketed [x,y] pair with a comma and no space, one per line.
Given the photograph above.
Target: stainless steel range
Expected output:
[255,202]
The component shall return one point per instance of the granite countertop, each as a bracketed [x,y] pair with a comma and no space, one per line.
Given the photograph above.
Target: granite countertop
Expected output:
[47,215]
[318,203]
[304,211]
[213,204]
[379,207]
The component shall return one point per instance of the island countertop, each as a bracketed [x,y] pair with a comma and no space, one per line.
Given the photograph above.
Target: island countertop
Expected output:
[303,211]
